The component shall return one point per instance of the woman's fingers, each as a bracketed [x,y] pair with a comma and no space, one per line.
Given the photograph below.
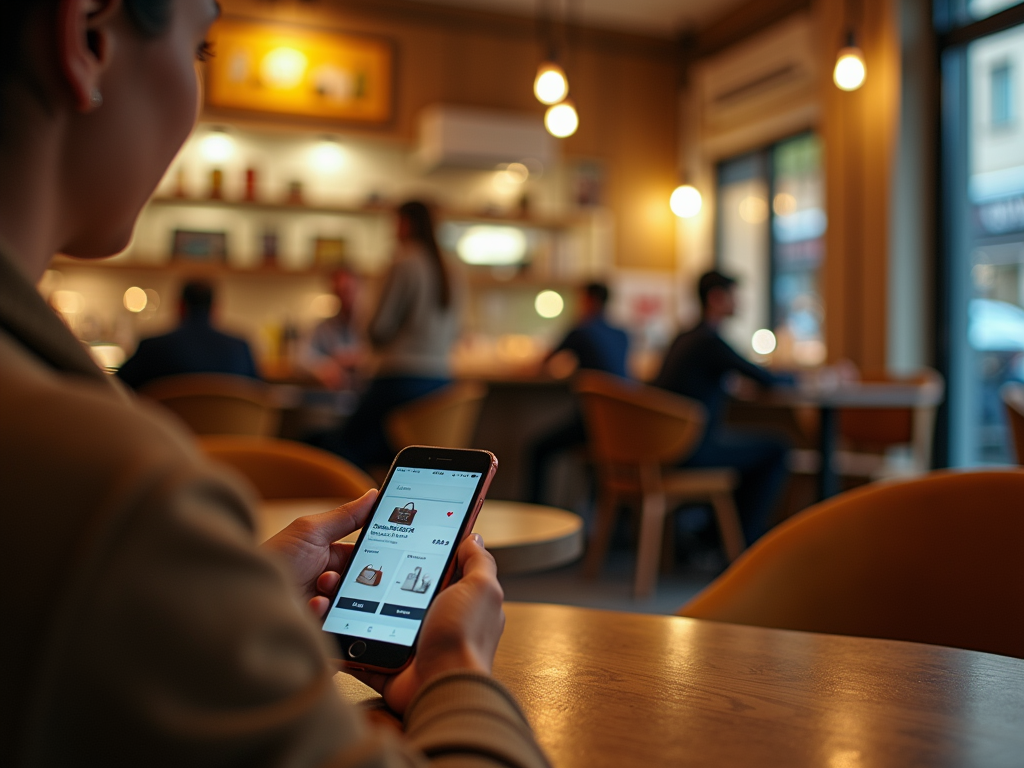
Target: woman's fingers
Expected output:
[340,522]
[339,556]
[327,583]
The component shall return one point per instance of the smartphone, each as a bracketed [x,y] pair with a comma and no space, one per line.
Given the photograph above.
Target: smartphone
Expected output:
[405,554]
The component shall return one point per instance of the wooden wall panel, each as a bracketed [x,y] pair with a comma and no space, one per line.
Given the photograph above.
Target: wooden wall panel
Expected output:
[859,131]
[624,87]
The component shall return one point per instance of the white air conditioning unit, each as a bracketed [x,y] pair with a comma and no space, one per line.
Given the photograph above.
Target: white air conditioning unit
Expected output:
[461,137]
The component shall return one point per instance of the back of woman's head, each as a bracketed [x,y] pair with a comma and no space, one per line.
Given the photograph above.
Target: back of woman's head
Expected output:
[419,227]
[150,17]
[107,90]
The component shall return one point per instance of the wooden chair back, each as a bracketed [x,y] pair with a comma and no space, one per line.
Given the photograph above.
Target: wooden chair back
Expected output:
[445,418]
[1013,400]
[218,404]
[633,424]
[283,469]
[876,429]
[930,560]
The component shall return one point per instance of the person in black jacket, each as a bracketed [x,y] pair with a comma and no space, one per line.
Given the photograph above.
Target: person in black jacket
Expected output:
[696,366]
[195,346]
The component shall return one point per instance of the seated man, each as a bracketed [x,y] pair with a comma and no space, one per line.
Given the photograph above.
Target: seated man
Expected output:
[336,348]
[195,346]
[596,346]
[695,366]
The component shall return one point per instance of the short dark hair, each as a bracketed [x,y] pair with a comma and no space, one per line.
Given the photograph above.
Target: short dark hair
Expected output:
[713,281]
[598,292]
[197,297]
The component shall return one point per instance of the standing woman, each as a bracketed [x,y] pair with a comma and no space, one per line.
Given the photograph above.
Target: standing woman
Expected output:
[413,329]
[142,623]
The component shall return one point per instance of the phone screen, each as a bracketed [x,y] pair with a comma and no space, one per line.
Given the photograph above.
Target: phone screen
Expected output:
[401,560]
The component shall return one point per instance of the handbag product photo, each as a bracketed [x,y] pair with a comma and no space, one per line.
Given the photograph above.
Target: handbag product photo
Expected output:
[369,576]
[403,515]
[410,581]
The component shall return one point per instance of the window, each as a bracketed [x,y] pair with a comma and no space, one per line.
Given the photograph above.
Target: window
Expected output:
[1001,94]
[771,226]
[983,188]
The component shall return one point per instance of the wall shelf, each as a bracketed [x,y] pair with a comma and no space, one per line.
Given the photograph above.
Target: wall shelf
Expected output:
[191,268]
[538,222]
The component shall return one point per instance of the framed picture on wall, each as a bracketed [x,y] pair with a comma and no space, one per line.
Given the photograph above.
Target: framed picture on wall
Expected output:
[300,72]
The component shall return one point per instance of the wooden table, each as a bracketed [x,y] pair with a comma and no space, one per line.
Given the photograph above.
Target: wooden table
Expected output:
[617,689]
[854,394]
[524,538]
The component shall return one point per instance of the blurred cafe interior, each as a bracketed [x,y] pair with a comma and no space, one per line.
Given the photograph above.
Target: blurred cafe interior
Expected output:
[734,291]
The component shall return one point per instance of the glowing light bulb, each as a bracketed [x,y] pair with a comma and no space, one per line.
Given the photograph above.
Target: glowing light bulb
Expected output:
[551,85]
[549,304]
[685,201]
[135,299]
[327,157]
[561,120]
[283,68]
[217,147]
[763,342]
[850,71]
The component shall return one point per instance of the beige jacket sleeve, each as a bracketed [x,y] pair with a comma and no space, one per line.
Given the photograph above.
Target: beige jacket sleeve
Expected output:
[169,639]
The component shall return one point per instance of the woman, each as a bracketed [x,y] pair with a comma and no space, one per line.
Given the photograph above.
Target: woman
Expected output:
[413,329]
[142,626]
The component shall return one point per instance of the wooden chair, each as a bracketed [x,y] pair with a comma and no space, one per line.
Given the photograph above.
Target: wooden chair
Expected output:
[1013,400]
[867,433]
[282,469]
[636,435]
[218,404]
[930,560]
[445,418]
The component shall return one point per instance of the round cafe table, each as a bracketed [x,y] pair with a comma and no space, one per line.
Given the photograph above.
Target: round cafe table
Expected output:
[523,538]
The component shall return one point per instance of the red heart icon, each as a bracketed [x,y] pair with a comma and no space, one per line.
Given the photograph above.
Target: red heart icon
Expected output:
[450,514]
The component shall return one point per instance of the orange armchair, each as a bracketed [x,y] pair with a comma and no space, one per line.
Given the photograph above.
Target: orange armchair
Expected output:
[282,469]
[931,560]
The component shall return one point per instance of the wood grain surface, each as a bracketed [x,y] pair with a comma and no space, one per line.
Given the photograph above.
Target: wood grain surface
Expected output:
[615,689]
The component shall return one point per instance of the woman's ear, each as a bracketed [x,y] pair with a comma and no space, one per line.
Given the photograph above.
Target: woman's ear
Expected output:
[85,45]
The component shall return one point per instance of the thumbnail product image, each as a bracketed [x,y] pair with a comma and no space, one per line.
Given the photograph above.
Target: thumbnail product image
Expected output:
[403,515]
[369,576]
[416,582]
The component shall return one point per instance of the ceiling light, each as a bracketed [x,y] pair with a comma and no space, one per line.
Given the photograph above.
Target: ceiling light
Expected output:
[850,71]
[561,120]
[685,201]
[550,85]
[217,147]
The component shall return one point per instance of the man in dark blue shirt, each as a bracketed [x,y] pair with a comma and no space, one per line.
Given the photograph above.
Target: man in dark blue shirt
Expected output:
[195,346]
[696,366]
[596,346]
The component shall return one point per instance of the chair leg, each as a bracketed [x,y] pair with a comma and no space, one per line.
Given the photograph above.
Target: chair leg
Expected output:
[668,544]
[652,523]
[597,548]
[729,525]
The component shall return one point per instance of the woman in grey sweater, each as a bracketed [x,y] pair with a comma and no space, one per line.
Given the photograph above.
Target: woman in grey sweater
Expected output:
[413,329]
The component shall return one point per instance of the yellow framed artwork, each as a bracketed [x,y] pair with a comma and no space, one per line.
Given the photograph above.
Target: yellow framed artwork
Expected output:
[299,72]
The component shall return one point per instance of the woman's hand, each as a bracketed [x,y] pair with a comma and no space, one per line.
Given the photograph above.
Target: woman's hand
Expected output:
[310,547]
[460,632]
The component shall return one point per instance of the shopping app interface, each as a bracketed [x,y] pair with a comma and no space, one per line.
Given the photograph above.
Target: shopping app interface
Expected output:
[397,567]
